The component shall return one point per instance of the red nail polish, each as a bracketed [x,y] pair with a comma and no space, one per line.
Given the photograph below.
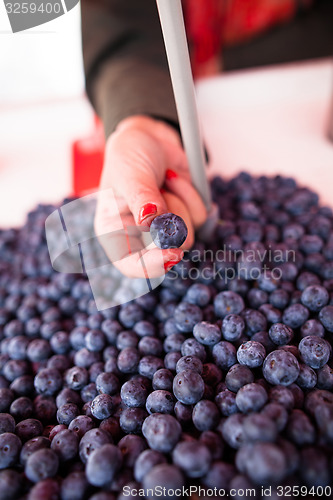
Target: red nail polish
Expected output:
[147,210]
[162,190]
[170,264]
[170,174]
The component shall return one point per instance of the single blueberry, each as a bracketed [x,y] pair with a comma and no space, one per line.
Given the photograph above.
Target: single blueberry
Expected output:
[168,231]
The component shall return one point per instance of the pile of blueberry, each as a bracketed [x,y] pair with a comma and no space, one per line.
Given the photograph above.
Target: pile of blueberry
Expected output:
[222,377]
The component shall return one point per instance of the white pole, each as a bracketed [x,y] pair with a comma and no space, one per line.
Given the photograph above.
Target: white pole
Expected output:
[173,28]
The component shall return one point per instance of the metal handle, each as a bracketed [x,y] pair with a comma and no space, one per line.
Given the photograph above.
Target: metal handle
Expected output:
[173,28]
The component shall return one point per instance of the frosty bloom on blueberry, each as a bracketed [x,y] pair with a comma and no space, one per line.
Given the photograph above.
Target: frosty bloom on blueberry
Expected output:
[168,231]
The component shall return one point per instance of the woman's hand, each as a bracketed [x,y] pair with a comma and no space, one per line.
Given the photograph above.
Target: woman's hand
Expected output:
[145,174]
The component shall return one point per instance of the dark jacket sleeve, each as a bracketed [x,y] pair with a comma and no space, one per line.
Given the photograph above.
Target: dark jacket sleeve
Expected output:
[124,61]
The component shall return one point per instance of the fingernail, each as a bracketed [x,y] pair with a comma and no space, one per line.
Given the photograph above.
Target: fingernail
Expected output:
[170,174]
[170,264]
[147,211]
[162,190]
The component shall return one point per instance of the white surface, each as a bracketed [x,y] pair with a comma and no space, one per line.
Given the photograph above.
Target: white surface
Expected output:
[40,63]
[265,121]
[272,121]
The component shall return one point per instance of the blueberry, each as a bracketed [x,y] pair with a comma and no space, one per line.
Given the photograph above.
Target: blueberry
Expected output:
[277,413]
[48,382]
[219,475]
[134,393]
[66,413]
[267,464]
[102,406]
[80,425]
[15,368]
[59,362]
[237,377]
[259,427]
[224,354]
[233,327]
[281,368]
[186,316]
[66,445]
[150,345]
[168,231]
[41,464]
[188,387]
[103,464]
[326,317]
[60,343]
[128,360]
[189,363]
[251,397]
[251,354]
[295,315]
[148,365]
[45,490]
[307,378]
[315,297]
[192,457]
[228,302]
[173,342]
[255,321]
[160,401]
[233,431]
[281,334]
[146,461]
[21,408]
[28,429]
[163,379]
[314,467]
[10,447]
[144,328]
[198,294]
[44,408]
[325,378]
[312,327]
[206,333]
[10,484]
[7,423]
[74,486]
[300,429]
[131,420]
[17,347]
[111,427]
[205,415]
[171,359]
[314,351]
[162,432]
[76,378]
[279,298]
[130,314]
[164,476]
[95,340]
[211,374]
[192,347]
[67,395]
[85,358]
[226,402]
[256,297]
[93,439]
[131,446]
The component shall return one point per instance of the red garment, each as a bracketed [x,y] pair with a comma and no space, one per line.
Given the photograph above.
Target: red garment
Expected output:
[210,24]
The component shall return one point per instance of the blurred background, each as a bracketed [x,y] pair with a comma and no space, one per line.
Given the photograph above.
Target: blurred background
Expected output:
[269,112]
